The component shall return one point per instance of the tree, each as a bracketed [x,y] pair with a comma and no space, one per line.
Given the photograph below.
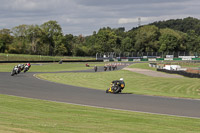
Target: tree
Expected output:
[147,39]
[68,43]
[193,41]
[59,48]
[183,25]
[106,39]
[52,30]
[5,40]
[34,35]
[171,40]
[20,42]
[127,45]
[90,44]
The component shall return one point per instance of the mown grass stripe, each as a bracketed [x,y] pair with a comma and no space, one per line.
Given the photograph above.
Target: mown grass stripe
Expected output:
[31,115]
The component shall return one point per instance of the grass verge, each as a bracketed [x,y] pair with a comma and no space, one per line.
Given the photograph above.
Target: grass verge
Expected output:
[23,115]
[142,66]
[50,67]
[26,57]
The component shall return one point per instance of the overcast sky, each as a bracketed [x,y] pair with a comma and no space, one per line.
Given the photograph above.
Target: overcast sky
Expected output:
[85,16]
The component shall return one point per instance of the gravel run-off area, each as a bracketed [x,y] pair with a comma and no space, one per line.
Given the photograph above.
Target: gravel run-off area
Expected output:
[153,73]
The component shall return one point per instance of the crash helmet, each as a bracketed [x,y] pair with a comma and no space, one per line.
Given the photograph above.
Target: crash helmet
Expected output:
[121,79]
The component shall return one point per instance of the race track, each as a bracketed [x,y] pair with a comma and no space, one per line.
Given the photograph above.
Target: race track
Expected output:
[26,85]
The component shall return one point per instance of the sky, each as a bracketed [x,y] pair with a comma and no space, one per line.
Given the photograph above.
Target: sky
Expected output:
[86,16]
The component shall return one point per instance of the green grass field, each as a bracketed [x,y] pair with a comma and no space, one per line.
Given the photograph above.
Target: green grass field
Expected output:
[25,57]
[23,115]
[50,67]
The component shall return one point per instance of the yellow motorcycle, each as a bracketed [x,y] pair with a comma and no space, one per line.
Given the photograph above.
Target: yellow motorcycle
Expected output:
[116,86]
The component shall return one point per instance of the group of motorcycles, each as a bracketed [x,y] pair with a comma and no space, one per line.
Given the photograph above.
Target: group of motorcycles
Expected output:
[116,86]
[19,68]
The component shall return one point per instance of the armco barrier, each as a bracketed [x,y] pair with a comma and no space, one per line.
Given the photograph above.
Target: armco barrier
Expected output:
[184,73]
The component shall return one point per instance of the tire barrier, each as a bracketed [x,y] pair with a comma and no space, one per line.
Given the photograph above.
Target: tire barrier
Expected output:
[183,73]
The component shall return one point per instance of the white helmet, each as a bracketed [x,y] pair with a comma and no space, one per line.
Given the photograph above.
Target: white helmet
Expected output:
[121,79]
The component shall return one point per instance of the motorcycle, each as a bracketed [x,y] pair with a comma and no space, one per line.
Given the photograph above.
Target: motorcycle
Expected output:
[116,87]
[14,71]
[105,68]
[26,68]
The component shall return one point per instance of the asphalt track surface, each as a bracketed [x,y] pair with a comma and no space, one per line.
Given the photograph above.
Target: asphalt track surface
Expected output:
[26,85]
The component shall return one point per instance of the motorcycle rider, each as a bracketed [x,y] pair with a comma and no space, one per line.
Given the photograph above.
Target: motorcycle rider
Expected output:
[16,69]
[105,67]
[116,86]
[28,64]
[21,67]
[109,67]
[95,68]
[119,82]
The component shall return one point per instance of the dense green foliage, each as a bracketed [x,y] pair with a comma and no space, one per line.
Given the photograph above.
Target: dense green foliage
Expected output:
[184,25]
[180,35]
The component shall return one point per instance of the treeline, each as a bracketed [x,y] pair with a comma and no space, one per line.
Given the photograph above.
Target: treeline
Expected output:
[47,39]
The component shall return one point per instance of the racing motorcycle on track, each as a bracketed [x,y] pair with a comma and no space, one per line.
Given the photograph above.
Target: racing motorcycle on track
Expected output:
[116,86]
[15,71]
[20,67]
[26,68]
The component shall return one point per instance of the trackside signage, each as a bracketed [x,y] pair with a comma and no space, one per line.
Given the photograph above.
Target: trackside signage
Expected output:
[168,58]
[186,57]
[152,59]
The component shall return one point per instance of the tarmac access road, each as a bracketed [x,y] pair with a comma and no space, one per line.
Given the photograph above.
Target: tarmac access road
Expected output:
[26,85]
